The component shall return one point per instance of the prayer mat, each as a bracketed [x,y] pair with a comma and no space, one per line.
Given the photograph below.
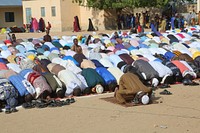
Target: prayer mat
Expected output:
[113,100]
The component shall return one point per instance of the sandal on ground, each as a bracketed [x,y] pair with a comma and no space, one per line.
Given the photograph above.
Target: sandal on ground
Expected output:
[27,105]
[52,103]
[165,92]
[8,111]
[55,103]
[186,82]
[33,103]
[194,84]
[41,105]
[59,103]
[72,100]
[154,88]
[164,86]
[65,103]
[13,110]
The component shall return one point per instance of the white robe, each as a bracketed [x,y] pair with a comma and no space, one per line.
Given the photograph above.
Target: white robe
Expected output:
[71,81]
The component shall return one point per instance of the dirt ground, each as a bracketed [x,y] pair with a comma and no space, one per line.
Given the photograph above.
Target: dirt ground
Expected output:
[59,34]
[176,113]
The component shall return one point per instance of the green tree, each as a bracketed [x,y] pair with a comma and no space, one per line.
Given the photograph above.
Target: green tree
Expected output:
[120,4]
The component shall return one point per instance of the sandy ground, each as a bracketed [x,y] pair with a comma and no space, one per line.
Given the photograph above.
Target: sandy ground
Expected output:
[177,113]
[59,34]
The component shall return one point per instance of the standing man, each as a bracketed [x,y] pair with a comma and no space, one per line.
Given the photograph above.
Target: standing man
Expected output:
[172,22]
[163,24]
[133,20]
[189,17]
[193,17]
[119,22]
[48,26]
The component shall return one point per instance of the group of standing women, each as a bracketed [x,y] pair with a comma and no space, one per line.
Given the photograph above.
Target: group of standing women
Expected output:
[76,25]
[36,26]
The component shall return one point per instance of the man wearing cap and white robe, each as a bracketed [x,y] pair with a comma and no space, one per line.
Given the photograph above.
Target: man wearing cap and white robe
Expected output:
[162,70]
[116,72]
[68,64]
[71,81]
[115,59]
[106,62]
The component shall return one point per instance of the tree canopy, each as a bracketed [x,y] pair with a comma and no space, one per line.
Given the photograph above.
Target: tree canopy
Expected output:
[117,4]
[120,4]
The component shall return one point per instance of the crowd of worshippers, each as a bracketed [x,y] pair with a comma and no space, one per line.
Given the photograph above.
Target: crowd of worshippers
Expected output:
[131,65]
[158,22]
[127,21]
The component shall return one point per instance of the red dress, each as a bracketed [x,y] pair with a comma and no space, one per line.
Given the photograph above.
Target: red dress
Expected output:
[76,27]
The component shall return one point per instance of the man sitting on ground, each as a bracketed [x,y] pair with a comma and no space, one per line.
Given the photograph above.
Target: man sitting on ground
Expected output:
[47,37]
[76,47]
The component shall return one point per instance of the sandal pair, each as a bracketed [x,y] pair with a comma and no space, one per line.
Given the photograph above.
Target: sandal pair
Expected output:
[66,102]
[10,110]
[52,103]
[58,103]
[28,105]
[165,92]
[40,103]
[55,103]
[72,100]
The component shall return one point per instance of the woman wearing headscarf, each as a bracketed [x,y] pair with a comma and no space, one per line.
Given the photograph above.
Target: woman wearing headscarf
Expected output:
[41,25]
[90,27]
[35,25]
[76,24]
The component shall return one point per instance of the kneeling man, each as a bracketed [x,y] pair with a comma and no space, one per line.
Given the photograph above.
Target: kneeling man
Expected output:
[129,87]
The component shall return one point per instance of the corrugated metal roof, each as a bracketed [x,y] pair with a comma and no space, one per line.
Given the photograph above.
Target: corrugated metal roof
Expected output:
[10,2]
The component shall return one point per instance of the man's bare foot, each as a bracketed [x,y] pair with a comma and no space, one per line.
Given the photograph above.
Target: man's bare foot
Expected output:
[116,89]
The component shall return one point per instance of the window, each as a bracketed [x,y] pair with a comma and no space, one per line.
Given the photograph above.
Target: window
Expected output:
[53,11]
[28,15]
[9,17]
[42,11]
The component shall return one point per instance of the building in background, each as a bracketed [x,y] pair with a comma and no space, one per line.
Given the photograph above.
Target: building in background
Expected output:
[61,13]
[11,13]
[198,5]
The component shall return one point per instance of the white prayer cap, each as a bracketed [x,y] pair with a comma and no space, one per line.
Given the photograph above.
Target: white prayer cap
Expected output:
[155,82]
